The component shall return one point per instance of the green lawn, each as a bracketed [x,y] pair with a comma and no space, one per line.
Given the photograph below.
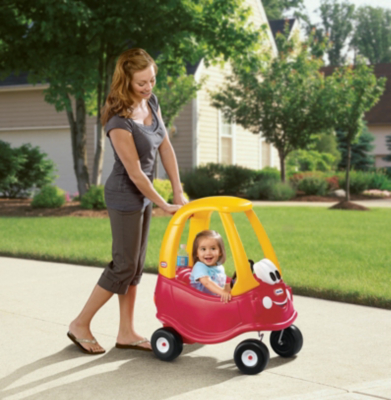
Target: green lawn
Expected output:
[342,255]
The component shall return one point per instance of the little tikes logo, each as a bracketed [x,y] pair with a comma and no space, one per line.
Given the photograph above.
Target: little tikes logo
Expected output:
[278,292]
[163,264]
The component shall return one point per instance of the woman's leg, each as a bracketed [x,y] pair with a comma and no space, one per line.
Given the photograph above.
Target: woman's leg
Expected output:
[127,333]
[80,327]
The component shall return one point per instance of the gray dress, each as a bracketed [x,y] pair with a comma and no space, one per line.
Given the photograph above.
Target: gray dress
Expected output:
[120,192]
[129,210]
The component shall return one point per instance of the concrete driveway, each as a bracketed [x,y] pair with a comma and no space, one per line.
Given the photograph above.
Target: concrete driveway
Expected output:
[346,353]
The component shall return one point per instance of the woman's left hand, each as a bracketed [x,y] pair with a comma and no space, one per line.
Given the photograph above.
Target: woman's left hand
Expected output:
[180,199]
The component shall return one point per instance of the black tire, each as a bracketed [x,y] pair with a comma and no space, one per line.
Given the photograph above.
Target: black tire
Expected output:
[167,344]
[291,341]
[251,356]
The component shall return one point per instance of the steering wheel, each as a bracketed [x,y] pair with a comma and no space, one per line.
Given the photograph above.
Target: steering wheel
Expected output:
[233,279]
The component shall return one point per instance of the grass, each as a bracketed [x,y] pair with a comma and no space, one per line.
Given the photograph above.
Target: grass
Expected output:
[339,255]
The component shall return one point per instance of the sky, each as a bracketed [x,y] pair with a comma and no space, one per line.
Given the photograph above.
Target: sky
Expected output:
[312,5]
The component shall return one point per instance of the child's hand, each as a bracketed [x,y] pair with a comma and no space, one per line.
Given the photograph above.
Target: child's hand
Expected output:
[226,296]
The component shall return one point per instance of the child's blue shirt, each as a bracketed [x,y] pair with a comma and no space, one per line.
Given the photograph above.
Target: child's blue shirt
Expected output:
[216,274]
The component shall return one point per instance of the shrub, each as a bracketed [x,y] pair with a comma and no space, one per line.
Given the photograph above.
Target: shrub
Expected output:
[296,178]
[163,187]
[332,183]
[313,185]
[235,179]
[359,181]
[267,173]
[380,180]
[309,160]
[94,198]
[281,191]
[270,190]
[49,197]
[198,184]
[23,169]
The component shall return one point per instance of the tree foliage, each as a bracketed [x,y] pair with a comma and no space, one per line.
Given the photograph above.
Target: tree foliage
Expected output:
[275,8]
[282,98]
[337,24]
[372,36]
[352,92]
[361,157]
[73,45]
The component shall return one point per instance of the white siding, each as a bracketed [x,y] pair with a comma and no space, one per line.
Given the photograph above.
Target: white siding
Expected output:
[380,132]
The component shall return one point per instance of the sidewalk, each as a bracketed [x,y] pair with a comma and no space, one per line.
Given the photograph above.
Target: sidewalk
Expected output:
[346,353]
[382,203]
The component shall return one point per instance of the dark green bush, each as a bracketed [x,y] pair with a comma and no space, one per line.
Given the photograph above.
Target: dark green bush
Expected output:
[270,190]
[94,198]
[49,197]
[199,184]
[235,179]
[313,185]
[267,173]
[23,169]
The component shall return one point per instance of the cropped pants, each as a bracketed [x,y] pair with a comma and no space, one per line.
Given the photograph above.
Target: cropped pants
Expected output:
[130,231]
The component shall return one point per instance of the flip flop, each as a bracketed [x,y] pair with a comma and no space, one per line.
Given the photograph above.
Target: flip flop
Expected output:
[84,350]
[134,345]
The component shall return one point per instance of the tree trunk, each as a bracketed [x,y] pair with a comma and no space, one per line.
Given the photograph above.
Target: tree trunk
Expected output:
[282,165]
[349,154]
[79,148]
[100,135]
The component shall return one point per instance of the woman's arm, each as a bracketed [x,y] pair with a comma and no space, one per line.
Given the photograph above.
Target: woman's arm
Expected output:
[170,164]
[215,288]
[125,147]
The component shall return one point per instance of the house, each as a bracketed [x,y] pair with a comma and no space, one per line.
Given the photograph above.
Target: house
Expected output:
[201,135]
[379,117]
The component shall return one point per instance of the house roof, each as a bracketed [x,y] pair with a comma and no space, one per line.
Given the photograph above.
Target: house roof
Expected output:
[381,112]
[15,80]
[278,25]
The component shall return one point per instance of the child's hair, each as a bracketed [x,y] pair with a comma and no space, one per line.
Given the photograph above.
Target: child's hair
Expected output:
[209,235]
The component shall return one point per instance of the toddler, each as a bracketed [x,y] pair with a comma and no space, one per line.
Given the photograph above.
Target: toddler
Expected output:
[208,273]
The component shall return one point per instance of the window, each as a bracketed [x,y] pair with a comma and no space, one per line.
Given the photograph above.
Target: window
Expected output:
[226,141]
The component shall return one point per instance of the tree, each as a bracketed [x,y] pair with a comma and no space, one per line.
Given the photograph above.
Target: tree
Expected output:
[275,8]
[361,158]
[351,93]
[337,24]
[281,98]
[73,46]
[372,36]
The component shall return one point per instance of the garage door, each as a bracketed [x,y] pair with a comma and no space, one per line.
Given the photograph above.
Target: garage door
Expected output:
[56,143]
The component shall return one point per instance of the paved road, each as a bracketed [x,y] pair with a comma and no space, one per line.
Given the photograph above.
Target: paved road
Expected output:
[346,353]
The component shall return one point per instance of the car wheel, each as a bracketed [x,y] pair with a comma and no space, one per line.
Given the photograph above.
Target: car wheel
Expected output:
[251,356]
[289,343]
[167,344]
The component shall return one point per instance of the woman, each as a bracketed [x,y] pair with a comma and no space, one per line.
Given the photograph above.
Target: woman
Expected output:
[134,125]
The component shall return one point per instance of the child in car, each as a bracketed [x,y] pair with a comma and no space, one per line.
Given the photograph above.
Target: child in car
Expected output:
[208,274]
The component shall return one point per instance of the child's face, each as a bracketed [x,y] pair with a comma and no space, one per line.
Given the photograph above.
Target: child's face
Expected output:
[208,251]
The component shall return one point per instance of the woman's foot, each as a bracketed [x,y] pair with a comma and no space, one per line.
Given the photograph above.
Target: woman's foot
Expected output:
[82,337]
[133,341]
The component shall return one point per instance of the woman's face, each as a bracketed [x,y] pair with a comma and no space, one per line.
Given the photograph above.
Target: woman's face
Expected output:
[143,83]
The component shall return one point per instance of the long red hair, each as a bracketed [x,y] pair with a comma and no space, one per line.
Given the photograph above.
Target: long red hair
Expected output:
[120,101]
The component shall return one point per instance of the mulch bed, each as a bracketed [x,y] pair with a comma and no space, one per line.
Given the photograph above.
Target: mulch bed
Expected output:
[22,208]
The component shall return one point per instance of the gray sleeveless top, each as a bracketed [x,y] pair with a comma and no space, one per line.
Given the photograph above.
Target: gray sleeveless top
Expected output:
[120,192]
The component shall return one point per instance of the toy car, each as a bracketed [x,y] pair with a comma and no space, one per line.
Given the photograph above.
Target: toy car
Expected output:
[261,301]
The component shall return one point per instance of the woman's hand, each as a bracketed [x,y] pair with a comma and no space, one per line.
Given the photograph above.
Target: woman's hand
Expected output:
[180,199]
[171,208]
